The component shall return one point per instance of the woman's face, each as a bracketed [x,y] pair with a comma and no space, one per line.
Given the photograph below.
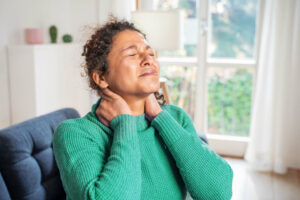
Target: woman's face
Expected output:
[132,67]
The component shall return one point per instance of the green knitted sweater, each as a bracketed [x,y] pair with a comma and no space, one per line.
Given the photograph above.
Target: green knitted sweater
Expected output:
[138,159]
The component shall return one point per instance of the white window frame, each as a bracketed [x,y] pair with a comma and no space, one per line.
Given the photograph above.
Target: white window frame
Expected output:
[221,144]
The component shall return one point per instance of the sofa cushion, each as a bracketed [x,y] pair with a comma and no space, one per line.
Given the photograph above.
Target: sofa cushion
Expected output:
[4,195]
[27,162]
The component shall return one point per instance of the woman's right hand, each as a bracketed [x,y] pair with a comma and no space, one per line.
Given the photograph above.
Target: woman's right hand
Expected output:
[111,105]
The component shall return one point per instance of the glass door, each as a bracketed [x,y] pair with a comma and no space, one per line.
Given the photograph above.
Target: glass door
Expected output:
[213,77]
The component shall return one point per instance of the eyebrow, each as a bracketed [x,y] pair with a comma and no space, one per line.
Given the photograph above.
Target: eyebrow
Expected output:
[134,47]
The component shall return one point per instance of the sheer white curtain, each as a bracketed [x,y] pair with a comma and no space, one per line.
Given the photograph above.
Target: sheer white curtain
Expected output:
[275,123]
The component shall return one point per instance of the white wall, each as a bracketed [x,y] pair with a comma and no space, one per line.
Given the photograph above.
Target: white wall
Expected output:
[119,8]
[16,15]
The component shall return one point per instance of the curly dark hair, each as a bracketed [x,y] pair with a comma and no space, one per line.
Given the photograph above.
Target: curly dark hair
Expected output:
[98,47]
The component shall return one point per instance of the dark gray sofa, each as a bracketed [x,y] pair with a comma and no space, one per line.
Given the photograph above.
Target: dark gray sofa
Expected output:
[27,166]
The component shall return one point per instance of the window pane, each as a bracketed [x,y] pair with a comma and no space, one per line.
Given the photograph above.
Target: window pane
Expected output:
[181,86]
[229,101]
[190,25]
[232,28]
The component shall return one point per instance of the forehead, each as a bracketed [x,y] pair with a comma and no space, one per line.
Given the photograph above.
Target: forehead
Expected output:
[128,37]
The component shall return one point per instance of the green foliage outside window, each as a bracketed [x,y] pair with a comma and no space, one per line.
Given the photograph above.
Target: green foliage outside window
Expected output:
[229,103]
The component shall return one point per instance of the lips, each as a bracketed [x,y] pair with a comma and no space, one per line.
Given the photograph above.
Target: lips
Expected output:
[149,72]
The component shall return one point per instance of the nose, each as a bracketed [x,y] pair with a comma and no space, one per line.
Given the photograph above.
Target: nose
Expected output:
[147,60]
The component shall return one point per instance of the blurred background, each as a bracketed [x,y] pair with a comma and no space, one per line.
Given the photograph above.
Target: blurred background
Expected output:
[235,73]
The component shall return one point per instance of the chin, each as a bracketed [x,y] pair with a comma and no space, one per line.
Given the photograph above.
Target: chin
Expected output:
[150,87]
[154,86]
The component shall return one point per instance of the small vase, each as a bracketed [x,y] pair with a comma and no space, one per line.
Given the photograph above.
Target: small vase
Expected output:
[34,35]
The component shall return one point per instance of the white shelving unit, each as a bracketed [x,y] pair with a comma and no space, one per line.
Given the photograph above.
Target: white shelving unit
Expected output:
[47,77]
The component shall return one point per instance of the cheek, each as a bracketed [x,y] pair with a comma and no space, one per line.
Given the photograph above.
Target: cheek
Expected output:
[128,71]
[122,75]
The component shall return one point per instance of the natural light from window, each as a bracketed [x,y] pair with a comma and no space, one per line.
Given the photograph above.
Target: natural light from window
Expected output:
[230,47]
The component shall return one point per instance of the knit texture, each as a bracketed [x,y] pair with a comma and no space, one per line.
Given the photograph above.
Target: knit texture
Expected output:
[137,159]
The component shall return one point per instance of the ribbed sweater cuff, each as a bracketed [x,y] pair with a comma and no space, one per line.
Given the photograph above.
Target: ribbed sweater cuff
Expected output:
[168,127]
[124,127]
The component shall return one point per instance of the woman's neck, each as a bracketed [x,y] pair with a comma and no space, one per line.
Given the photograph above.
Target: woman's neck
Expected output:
[137,106]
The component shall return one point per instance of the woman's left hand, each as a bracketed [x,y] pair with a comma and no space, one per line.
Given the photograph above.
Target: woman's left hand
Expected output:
[152,107]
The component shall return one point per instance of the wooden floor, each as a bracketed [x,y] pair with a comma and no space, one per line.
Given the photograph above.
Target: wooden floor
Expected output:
[253,185]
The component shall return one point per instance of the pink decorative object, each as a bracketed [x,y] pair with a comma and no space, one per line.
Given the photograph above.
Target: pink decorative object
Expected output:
[34,35]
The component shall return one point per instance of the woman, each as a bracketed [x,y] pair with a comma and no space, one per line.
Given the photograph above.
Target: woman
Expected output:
[129,146]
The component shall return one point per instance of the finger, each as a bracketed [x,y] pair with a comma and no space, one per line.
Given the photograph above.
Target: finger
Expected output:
[106,122]
[103,120]
[104,112]
[103,107]
[152,96]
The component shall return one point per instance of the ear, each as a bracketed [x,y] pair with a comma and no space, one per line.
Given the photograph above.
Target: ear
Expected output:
[99,79]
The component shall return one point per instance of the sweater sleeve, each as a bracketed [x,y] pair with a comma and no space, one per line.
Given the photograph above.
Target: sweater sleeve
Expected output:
[205,174]
[88,171]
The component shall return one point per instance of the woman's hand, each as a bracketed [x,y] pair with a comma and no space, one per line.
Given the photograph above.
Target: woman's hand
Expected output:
[111,105]
[152,107]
